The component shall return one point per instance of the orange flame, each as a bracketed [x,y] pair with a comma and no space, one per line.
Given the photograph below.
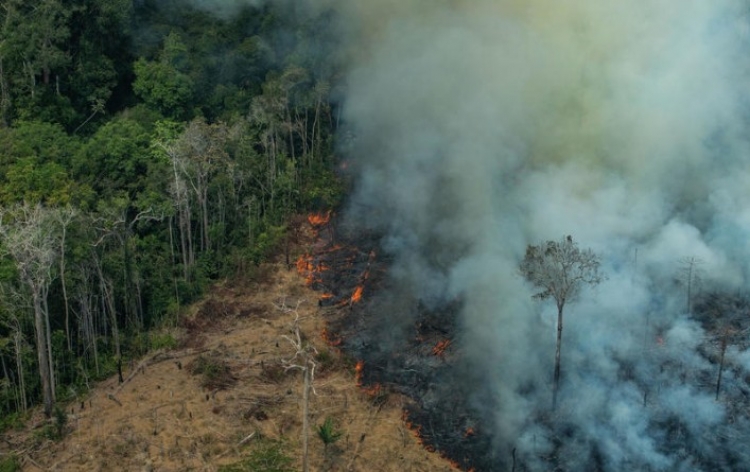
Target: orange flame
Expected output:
[372,391]
[319,219]
[331,340]
[357,295]
[304,264]
[440,347]
[358,372]
[309,270]
[416,429]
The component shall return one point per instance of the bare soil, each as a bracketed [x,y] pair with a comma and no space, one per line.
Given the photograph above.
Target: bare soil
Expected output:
[229,383]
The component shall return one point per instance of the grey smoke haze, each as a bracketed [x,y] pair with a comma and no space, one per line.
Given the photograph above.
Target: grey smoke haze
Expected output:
[224,8]
[483,126]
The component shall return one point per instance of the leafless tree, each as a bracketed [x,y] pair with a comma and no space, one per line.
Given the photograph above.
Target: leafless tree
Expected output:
[14,304]
[115,224]
[30,237]
[64,218]
[84,296]
[690,276]
[304,360]
[199,154]
[560,269]
[724,318]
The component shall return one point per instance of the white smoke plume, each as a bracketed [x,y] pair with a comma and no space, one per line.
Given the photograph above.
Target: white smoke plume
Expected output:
[224,8]
[482,126]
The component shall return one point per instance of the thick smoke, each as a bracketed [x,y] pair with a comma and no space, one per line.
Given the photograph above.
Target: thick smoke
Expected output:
[224,8]
[482,126]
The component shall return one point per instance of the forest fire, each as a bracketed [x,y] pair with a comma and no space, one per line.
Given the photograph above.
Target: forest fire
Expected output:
[343,272]
[372,391]
[439,349]
[358,368]
[416,430]
[330,339]
[305,268]
[319,219]
[357,295]
[310,270]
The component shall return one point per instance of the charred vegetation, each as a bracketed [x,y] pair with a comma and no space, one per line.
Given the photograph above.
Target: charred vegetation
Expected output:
[414,347]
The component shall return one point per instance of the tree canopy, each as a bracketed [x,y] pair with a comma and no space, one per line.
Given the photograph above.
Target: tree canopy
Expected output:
[156,147]
[560,269]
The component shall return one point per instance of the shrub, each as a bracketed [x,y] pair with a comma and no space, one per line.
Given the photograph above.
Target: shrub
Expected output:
[9,464]
[328,433]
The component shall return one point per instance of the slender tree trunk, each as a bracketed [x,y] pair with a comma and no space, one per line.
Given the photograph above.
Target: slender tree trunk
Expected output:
[305,416]
[41,351]
[4,96]
[87,327]
[65,290]
[109,306]
[204,209]
[6,376]
[184,267]
[113,314]
[314,138]
[690,288]
[189,234]
[721,364]
[18,347]
[50,359]
[290,128]
[304,136]
[556,379]
[183,243]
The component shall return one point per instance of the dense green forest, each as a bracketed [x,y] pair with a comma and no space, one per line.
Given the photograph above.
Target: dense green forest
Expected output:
[146,149]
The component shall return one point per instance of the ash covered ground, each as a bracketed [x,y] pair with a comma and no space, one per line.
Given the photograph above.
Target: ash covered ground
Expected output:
[408,346]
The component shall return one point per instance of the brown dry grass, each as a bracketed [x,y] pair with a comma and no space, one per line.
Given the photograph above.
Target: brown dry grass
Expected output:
[166,419]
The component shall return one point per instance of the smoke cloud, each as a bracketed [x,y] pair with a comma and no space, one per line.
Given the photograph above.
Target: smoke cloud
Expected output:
[483,126]
[224,8]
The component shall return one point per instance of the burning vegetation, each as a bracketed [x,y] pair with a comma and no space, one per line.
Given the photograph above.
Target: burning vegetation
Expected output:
[423,361]
[343,273]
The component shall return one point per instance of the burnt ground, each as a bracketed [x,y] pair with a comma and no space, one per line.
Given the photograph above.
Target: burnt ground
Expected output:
[411,351]
[408,347]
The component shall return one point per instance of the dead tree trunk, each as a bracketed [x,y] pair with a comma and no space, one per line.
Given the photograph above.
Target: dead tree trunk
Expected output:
[556,379]
[45,372]
[722,352]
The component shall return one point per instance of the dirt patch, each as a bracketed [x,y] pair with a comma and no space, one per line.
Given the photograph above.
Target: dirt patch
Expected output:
[165,418]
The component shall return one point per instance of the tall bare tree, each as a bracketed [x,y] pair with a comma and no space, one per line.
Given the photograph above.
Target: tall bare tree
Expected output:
[200,154]
[690,275]
[723,316]
[14,304]
[560,269]
[304,360]
[30,237]
[65,217]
